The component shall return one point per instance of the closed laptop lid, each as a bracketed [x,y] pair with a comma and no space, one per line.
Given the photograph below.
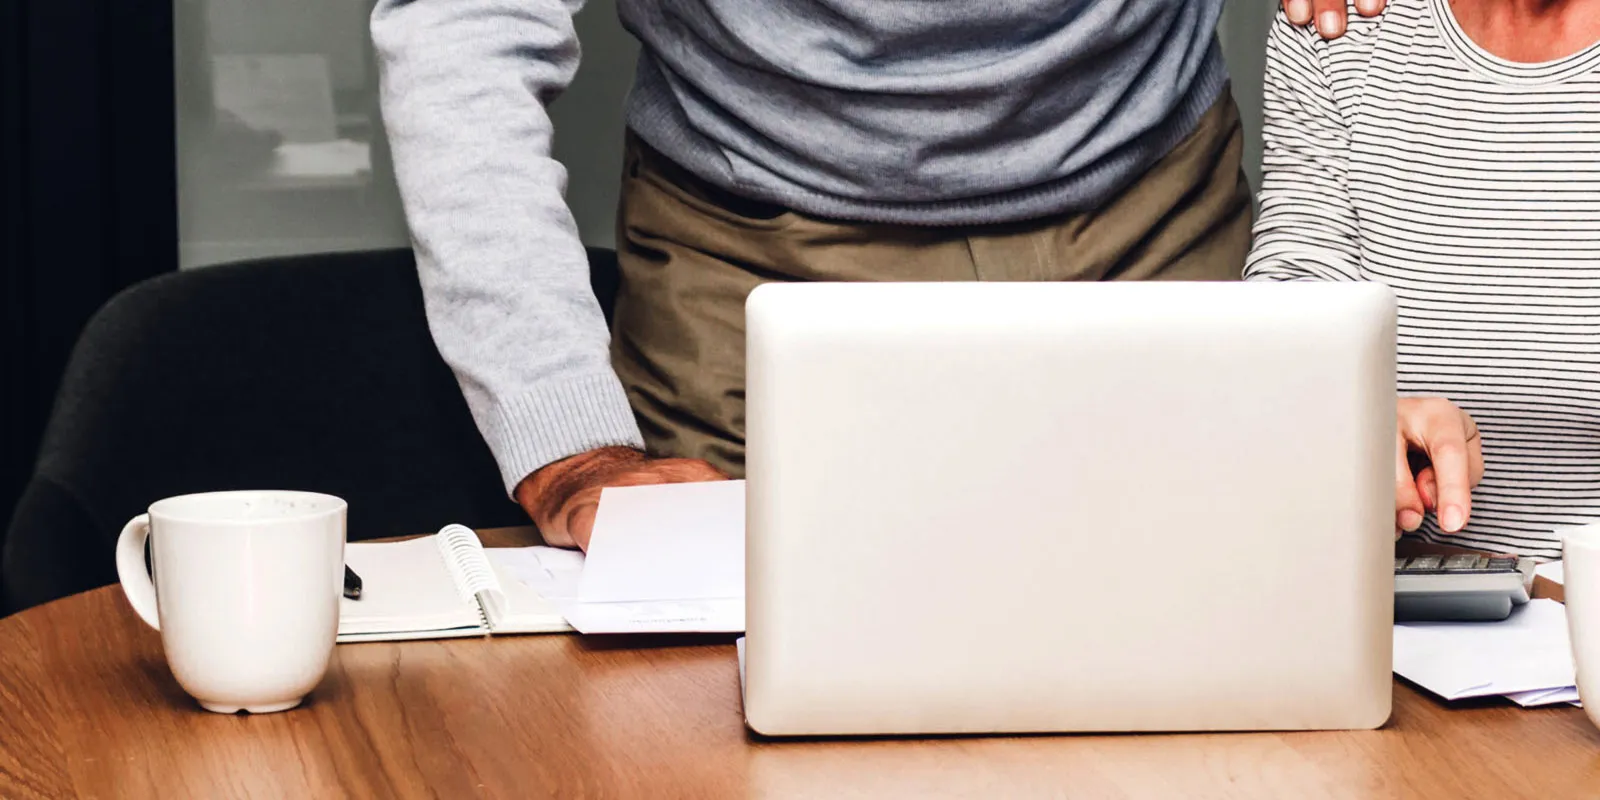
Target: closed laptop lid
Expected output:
[1069,507]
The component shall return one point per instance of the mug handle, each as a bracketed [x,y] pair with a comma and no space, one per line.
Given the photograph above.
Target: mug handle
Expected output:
[136,583]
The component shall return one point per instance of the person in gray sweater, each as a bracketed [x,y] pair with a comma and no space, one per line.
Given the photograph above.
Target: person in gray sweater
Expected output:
[779,140]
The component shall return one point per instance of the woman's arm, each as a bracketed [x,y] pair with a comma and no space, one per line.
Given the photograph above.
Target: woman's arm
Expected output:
[1307,229]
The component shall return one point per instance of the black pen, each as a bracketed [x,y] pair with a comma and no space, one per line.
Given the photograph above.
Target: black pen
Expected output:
[352,583]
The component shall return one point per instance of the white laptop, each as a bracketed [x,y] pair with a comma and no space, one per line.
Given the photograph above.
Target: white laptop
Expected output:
[1069,507]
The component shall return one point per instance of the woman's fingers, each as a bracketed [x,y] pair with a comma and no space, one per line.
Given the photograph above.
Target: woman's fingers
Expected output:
[1449,438]
[1408,506]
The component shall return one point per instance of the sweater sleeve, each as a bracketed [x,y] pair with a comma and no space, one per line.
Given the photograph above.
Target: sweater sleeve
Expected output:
[1307,228]
[464,86]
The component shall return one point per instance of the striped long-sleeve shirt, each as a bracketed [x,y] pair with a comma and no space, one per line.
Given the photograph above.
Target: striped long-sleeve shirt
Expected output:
[1404,153]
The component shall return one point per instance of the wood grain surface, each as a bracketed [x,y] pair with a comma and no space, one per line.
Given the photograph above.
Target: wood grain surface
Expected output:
[89,709]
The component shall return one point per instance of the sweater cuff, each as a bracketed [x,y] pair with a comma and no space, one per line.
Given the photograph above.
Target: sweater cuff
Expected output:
[559,419]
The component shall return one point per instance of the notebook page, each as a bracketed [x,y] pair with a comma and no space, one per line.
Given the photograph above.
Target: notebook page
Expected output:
[533,581]
[406,589]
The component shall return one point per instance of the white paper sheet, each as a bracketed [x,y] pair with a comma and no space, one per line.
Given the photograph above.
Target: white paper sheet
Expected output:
[657,616]
[1549,570]
[1527,652]
[1545,697]
[667,558]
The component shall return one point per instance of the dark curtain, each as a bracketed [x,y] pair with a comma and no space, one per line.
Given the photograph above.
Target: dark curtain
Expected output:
[13,445]
[88,188]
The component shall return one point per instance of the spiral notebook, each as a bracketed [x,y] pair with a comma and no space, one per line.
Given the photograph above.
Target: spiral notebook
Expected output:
[448,584]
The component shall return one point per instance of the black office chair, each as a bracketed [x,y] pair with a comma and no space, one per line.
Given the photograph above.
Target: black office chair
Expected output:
[313,373]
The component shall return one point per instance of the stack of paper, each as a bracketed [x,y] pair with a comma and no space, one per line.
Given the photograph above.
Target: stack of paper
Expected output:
[664,559]
[1566,694]
[1526,657]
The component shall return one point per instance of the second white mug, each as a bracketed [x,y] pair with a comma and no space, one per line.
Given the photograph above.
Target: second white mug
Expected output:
[246,592]
[1580,556]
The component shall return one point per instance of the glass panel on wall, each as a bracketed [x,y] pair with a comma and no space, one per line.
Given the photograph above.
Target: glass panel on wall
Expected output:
[280,145]
[279,136]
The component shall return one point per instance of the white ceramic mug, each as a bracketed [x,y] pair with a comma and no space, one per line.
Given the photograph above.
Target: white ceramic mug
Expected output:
[246,592]
[1580,557]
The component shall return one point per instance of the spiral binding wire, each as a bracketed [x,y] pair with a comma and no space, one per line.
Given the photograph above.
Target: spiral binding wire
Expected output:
[469,566]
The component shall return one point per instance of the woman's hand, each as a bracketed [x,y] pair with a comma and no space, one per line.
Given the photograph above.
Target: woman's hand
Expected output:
[1438,430]
[1329,15]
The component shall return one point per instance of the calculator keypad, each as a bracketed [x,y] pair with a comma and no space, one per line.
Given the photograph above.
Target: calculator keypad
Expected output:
[1455,564]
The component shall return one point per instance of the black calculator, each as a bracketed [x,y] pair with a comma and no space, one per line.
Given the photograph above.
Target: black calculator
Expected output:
[1459,588]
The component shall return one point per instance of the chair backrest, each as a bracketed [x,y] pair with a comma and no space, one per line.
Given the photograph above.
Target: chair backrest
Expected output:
[312,372]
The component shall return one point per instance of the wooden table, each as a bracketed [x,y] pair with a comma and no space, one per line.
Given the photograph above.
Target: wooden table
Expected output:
[89,709]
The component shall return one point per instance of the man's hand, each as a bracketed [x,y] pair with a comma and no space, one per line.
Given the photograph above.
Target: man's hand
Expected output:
[562,498]
[1329,14]
[1436,429]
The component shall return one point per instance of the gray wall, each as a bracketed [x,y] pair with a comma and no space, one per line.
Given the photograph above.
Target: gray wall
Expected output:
[1243,31]
[588,121]
[231,209]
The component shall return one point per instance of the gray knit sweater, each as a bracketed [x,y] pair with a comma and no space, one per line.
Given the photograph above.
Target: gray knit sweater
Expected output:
[921,112]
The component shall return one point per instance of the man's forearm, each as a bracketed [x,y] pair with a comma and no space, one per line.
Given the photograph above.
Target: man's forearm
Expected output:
[504,276]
